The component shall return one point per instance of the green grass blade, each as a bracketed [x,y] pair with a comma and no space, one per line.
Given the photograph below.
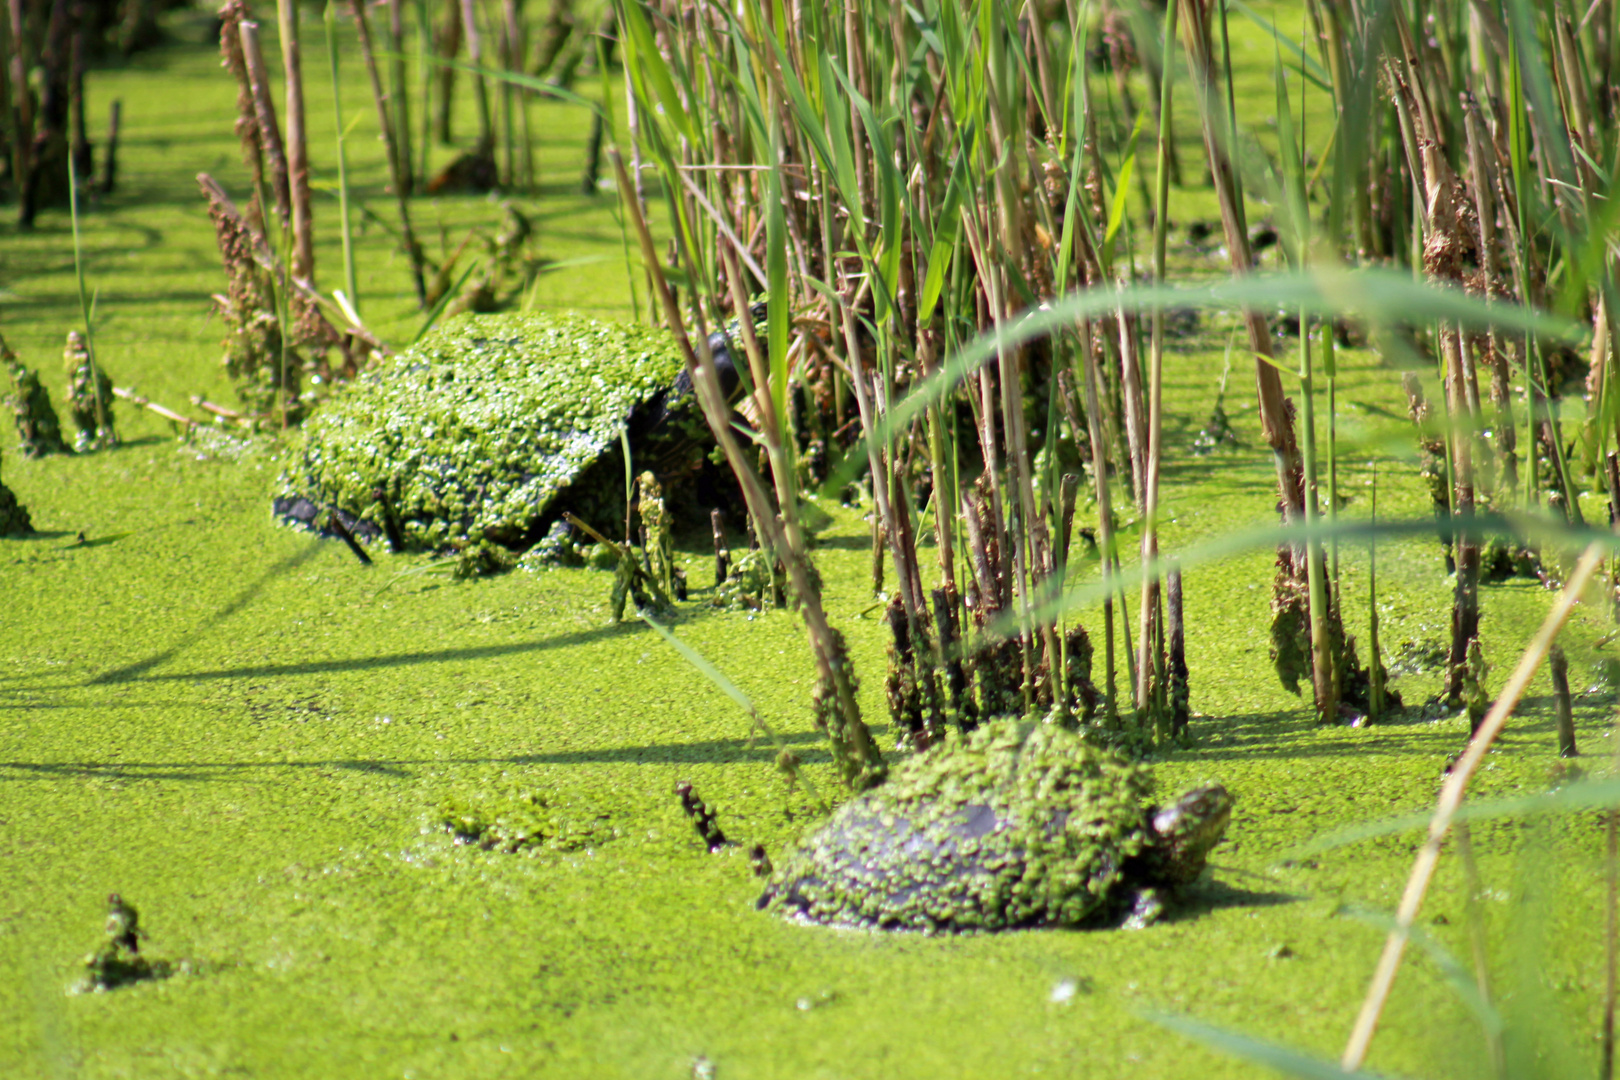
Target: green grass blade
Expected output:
[1122,186]
[706,669]
[1269,1055]
[1463,983]
[654,67]
[1573,798]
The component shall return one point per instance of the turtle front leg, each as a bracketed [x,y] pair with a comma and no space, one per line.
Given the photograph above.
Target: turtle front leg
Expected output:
[1146,905]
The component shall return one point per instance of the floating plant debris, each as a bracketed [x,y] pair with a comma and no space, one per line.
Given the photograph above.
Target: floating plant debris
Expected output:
[118,962]
[703,819]
[523,820]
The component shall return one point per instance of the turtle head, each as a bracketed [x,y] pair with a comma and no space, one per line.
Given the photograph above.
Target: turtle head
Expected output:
[1188,828]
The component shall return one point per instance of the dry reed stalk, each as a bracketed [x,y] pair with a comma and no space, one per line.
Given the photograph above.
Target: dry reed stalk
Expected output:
[78,138]
[475,53]
[400,99]
[269,132]
[21,113]
[297,149]
[1451,796]
[448,43]
[42,180]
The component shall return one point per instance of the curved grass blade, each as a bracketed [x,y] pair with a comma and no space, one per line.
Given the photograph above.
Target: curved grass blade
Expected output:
[1462,981]
[729,688]
[1381,297]
[1269,1055]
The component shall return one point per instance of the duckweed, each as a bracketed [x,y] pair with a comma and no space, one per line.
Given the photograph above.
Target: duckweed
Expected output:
[524,820]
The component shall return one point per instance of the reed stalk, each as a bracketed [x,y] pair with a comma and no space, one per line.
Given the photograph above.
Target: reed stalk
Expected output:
[408,240]
[269,131]
[1146,661]
[857,755]
[350,280]
[303,222]
[1451,795]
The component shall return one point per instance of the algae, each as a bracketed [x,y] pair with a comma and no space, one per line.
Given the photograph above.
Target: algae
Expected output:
[522,820]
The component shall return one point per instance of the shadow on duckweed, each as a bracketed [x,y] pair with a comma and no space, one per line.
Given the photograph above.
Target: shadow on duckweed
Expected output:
[136,672]
[131,672]
[1210,895]
[710,751]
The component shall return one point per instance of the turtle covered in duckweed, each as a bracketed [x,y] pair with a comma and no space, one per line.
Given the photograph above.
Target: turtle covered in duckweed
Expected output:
[1002,830]
[490,427]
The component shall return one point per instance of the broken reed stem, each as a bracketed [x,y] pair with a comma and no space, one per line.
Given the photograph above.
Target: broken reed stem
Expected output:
[1451,796]
[87,311]
[1564,716]
[147,403]
[413,249]
[722,557]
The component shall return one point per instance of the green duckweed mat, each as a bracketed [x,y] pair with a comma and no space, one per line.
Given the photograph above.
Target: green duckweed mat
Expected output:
[253,738]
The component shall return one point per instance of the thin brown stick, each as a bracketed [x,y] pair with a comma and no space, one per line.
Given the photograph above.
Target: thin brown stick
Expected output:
[1451,795]
[147,403]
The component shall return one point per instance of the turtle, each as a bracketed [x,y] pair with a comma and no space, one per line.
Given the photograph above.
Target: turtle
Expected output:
[1006,828]
[492,426]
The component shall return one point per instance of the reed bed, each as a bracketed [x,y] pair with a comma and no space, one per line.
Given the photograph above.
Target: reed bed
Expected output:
[901,181]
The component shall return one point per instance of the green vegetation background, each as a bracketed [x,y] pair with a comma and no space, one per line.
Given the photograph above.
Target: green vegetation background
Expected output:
[234,726]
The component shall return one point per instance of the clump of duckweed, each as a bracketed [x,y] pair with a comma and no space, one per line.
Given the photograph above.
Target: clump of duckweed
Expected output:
[14,519]
[486,429]
[748,582]
[993,831]
[523,820]
[118,962]
[39,431]
[90,397]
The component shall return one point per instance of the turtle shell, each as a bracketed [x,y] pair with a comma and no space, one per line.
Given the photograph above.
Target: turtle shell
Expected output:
[485,430]
[996,831]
